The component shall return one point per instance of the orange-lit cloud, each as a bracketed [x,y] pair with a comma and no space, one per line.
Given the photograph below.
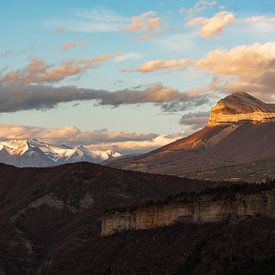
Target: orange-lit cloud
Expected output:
[213,26]
[103,139]
[147,23]
[248,68]
[144,21]
[59,30]
[246,61]
[72,44]
[153,23]
[70,134]
[155,65]
[38,71]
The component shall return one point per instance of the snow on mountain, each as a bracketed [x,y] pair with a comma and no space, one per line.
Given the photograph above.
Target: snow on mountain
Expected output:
[34,153]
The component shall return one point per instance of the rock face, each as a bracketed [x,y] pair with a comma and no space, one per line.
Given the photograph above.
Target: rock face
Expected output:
[203,208]
[240,107]
[241,131]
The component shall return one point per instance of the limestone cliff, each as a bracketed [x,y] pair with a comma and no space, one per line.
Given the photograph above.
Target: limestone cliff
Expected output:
[240,107]
[206,207]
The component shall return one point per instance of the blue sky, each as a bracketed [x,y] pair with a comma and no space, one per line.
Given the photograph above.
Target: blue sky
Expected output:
[127,35]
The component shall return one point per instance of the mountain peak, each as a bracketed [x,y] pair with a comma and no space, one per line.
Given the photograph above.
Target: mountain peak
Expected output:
[240,107]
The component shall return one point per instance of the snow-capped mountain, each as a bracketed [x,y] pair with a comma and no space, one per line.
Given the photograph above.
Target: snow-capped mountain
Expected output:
[34,153]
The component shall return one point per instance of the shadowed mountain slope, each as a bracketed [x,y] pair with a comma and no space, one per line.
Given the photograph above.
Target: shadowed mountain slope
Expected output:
[44,211]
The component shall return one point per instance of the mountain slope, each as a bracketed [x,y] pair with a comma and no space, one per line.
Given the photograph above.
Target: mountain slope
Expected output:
[34,153]
[51,220]
[45,212]
[241,130]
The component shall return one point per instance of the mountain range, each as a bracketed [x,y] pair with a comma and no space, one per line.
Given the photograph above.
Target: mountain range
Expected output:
[34,153]
[238,143]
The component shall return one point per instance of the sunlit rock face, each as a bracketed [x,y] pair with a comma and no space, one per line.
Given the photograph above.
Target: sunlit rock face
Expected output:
[205,208]
[240,107]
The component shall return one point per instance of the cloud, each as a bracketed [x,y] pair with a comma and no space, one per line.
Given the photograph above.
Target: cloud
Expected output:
[38,71]
[59,30]
[147,23]
[259,24]
[72,44]
[124,142]
[127,56]
[195,120]
[15,98]
[15,52]
[249,68]
[259,19]
[133,147]
[178,42]
[213,26]
[155,65]
[255,19]
[144,21]
[245,68]
[246,61]
[199,6]
[96,20]
[70,134]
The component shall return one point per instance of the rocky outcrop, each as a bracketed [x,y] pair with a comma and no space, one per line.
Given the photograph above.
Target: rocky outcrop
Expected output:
[240,107]
[207,207]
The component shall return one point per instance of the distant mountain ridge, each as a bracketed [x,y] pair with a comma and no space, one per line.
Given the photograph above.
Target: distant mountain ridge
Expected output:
[34,153]
[241,130]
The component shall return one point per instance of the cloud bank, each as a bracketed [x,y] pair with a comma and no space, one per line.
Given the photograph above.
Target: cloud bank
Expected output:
[15,98]
[123,142]
[246,68]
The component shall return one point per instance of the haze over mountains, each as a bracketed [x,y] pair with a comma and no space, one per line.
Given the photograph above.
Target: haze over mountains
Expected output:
[237,143]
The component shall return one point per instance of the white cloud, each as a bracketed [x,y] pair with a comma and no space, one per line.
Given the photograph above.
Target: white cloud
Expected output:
[178,42]
[127,56]
[199,6]
[96,20]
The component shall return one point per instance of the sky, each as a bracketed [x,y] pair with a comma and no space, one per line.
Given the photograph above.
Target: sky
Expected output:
[133,75]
